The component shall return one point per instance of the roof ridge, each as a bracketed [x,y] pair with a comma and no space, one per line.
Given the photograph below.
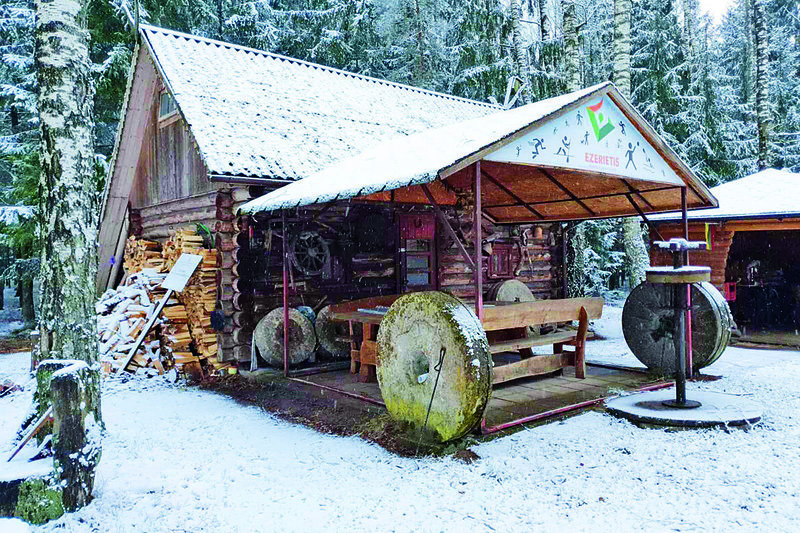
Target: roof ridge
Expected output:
[206,40]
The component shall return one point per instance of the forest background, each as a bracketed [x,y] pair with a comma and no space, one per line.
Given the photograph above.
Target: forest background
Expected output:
[725,95]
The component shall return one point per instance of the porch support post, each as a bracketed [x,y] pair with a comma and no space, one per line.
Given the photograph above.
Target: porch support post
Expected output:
[285,296]
[688,297]
[448,228]
[478,252]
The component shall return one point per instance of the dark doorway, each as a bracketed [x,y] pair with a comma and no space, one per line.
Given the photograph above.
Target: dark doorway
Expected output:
[765,267]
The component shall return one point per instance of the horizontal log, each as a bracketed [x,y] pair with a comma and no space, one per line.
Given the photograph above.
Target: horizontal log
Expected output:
[224,227]
[224,242]
[224,214]
[224,199]
[204,200]
[179,216]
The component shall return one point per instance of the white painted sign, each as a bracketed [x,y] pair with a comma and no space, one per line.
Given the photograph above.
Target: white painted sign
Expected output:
[595,137]
[181,271]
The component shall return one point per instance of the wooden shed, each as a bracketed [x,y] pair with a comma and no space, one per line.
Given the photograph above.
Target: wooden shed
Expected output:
[754,240]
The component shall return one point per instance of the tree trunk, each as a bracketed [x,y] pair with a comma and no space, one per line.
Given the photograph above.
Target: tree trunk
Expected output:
[762,102]
[518,51]
[622,46]
[576,265]
[26,302]
[76,432]
[636,255]
[572,71]
[69,208]
[69,201]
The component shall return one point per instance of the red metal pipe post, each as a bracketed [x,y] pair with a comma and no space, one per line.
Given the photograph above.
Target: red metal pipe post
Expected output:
[285,297]
[478,252]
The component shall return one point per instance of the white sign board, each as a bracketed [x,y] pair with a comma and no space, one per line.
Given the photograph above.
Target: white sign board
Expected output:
[595,137]
[181,271]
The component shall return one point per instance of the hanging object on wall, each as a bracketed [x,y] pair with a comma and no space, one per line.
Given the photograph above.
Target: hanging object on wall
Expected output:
[309,252]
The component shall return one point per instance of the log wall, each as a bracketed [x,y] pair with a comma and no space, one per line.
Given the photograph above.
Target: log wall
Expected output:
[716,258]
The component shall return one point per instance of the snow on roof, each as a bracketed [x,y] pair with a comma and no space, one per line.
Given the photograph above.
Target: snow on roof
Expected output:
[258,114]
[422,157]
[390,166]
[768,193]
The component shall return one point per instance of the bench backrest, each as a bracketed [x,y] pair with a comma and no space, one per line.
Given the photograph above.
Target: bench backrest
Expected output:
[522,314]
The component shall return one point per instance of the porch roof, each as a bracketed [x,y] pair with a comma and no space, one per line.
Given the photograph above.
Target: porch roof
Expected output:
[582,155]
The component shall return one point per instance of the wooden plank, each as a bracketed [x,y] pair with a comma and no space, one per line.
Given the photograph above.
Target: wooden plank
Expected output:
[357,316]
[365,303]
[35,428]
[533,366]
[539,312]
[540,340]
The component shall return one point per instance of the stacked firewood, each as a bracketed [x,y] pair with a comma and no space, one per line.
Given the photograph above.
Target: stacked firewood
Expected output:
[184,338]
[122,315]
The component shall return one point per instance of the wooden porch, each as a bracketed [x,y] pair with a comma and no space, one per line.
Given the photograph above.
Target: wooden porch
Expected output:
[520,399]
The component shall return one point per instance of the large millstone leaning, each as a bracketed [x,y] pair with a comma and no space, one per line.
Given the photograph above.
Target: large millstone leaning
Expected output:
[268,337]
[328,330]
[411,337]
[648,325]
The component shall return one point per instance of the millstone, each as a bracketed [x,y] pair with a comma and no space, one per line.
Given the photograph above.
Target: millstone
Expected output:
[513,290]
[648,325]
[327,330]
[410,339]
[268,337]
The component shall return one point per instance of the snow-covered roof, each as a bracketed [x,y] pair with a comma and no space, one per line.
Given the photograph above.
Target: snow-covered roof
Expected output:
[263,115]
[439,153]
[765,194]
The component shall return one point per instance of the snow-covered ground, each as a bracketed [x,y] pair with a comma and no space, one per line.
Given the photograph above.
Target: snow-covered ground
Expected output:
[178,459]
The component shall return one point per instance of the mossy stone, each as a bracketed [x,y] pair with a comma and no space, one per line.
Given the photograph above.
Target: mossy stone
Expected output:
[39,501]
[411,338]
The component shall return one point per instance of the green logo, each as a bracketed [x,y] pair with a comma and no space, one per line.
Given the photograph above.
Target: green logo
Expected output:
[597,118]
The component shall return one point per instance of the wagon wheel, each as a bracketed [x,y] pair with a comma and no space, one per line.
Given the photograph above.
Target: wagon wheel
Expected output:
[513,290]
[648,325]
[309,252]
[411,338]
[268,337]
[327,332]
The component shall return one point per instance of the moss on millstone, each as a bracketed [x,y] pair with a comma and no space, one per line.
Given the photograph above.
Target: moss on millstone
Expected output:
[39,501]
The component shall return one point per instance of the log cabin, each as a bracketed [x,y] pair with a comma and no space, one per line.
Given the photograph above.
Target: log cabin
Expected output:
[208,126]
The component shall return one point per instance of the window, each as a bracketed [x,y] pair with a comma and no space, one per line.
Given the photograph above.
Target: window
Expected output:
[168,106]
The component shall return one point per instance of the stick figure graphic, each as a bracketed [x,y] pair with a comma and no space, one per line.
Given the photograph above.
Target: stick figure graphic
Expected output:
[519,148]
[536,143]
[566,122]
[579,118]
[564,149]
[648,164]
[622,127]
[629,155]
[619,143]
[585,138]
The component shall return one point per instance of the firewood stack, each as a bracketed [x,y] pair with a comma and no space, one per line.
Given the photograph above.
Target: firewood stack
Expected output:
[122,315]
[187,341]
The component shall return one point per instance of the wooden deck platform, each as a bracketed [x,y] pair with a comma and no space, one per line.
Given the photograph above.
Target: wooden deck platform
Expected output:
[521,398]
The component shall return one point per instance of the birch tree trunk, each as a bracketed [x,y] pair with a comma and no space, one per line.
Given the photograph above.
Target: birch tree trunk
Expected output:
[68,224]
[518,50]
[636,257]
[69,201]
[576,237]
[762,102]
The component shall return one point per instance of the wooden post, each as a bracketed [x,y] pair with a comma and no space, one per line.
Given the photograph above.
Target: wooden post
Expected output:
[285,296]
[688,312]
[478,252]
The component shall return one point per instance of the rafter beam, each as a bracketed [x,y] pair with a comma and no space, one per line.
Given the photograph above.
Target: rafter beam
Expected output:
[448,228]
[567,191]
[511,194]
[644,217]
[636,191]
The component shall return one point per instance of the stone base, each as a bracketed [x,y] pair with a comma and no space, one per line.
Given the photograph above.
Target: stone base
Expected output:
[716,409]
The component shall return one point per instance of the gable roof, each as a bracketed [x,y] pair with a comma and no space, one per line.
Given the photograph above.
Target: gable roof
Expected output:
[771,193]
[541,156]
[261,115]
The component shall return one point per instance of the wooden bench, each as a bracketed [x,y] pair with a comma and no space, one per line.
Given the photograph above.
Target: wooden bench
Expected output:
[363,355]
[506,328]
